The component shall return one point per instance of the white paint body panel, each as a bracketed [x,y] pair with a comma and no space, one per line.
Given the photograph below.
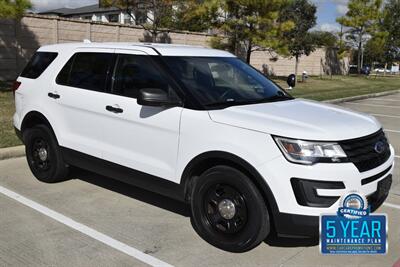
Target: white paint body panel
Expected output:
[162,141]
[301,119]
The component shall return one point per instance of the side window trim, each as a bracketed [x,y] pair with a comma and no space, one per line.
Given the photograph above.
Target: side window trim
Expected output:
[114,72]
[110,74]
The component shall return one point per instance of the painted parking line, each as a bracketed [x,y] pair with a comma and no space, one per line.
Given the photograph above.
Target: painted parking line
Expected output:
[372,105]
[384,115]
[398,157]
[391,131]
[382,99]
[133,252]
[391,205]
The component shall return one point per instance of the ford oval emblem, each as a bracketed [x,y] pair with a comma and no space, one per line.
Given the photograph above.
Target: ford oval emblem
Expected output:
[379,147]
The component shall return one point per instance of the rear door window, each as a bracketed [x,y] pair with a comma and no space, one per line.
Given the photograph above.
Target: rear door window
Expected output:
[86,71]
[38,64]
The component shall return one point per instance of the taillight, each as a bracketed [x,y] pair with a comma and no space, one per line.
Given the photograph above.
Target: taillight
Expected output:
[15,86]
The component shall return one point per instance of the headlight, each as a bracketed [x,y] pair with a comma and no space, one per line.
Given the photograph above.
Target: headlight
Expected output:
[306,152]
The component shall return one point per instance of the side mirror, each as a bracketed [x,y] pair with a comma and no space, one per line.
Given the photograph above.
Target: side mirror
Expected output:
[291,80]
[156,97]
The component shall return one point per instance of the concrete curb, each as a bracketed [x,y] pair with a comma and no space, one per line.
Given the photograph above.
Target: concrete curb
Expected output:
[19,151]
[359,97]
[12,152]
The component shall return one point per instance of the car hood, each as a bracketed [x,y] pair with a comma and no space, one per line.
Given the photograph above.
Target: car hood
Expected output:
[299,118]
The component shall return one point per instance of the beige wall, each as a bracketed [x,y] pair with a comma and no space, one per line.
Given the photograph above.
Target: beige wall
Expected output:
[20,39]
[317,63]
[285,66]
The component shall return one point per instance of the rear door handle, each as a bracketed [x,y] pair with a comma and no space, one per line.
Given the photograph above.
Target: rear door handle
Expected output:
[52,95]
[114,109]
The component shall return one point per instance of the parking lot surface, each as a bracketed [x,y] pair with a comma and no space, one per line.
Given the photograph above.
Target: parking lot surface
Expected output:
[96,221]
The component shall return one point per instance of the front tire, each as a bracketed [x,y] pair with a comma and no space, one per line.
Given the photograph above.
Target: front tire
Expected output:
[228,210]
[43,155]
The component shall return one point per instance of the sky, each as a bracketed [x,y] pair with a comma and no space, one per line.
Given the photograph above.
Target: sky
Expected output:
[327,10]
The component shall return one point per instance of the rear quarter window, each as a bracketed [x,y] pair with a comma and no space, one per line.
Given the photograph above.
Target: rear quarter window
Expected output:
[38,64]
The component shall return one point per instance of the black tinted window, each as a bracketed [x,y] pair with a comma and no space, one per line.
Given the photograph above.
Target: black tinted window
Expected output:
[63,76]
[87,71]
[38,64]
[135,72]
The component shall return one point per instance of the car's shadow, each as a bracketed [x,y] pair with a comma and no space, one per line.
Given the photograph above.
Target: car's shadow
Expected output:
[275,241]
[169,204]
[131,191]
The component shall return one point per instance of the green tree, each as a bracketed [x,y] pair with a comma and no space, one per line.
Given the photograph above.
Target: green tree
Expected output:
[384,45]
[185,22]
[362,18]
[375,49]
[154,16]
[300,41]
[391,25]
[323,38]
[13,9]
[343,49]
[249,25]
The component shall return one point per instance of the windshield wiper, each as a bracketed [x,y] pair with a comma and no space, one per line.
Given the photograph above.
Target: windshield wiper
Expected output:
[247,102]
[223,104]
[276,98]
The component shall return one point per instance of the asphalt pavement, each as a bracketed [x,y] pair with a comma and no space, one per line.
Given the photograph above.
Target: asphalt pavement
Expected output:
[95,221]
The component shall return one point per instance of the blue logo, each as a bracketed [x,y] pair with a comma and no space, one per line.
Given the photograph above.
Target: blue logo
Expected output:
[353,230]
[354,206]
[379,147]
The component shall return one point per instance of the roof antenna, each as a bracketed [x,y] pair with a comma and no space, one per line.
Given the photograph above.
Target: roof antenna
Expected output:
[86,41]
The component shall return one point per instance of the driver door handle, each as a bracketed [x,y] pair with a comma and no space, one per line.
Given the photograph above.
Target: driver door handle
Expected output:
[53,95]
[114,109]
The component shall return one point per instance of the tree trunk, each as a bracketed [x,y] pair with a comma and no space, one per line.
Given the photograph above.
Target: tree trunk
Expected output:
[359,59]
[235,43]
[320,69]
[384,71]
[296,66]
[360,52]
[248,52]
[362,57]
[154,37]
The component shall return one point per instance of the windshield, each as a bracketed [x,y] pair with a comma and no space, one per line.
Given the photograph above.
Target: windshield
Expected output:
[224,81]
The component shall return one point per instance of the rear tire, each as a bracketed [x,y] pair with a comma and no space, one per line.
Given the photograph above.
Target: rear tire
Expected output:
[228,210]
[43,155]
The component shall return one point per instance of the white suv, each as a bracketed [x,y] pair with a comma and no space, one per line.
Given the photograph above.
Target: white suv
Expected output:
[201,126]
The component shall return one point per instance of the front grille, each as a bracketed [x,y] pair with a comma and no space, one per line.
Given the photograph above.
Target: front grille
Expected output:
[375,177]
[361,151]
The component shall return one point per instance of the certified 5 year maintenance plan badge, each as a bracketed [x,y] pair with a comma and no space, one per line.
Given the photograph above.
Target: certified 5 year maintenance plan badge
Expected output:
[353,230]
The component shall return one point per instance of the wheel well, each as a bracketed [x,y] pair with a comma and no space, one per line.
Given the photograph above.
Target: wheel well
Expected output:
[34,118]
[210,159]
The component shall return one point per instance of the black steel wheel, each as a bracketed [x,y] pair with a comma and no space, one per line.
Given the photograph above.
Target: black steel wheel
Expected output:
[228,210]
[40,155]
[225,208]
[43,155]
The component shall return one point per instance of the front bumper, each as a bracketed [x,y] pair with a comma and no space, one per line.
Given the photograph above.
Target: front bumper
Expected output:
[297,218]
[294,225]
